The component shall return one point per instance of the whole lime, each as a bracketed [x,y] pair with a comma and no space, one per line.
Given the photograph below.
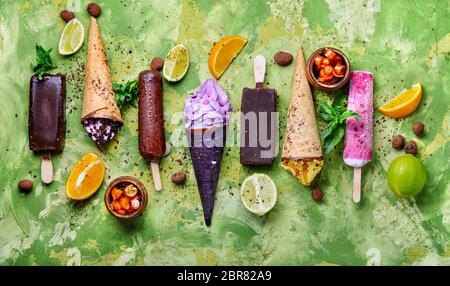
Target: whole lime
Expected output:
[406,176]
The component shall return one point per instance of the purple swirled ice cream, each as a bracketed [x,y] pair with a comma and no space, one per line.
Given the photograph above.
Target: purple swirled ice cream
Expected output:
[208,107]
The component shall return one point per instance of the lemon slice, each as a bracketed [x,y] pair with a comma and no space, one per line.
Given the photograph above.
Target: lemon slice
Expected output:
[259,193]
[176,63]
[404,104]
[72,38]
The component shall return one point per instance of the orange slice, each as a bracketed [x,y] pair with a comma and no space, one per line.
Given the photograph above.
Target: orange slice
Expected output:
[85,178]
[223,53]
[404,104]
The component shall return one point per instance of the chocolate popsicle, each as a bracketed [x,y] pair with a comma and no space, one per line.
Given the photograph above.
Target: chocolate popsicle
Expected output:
[152,145]
[47,119]
[258,120]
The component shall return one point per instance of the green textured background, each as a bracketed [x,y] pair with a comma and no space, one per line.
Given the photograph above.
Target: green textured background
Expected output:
[401,42]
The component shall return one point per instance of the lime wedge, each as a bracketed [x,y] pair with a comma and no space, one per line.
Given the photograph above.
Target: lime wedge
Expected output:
[176,63]
[259,193]
[72,38]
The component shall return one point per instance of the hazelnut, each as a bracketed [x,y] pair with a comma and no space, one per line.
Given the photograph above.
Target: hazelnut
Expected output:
[418,128]
[398,142]
[179,178]
[67,15]
[283,58]
[157,64]
[317,194]
[411,147]
[94,10]
[25,186]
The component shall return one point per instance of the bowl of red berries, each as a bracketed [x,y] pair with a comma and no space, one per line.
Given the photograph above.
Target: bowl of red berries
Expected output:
[126,198]
[328,69]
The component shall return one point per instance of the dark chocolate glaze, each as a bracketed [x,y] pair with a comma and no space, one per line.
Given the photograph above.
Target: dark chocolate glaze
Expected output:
[152,144]
[47,115]
[261,101]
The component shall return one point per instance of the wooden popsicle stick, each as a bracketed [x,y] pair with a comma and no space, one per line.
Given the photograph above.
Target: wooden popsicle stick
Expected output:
[156,176]
[259,69]
[46,168]
[356,185]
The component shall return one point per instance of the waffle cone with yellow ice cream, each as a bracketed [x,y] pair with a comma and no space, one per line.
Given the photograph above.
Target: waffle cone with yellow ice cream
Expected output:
[302,150]
[100,115]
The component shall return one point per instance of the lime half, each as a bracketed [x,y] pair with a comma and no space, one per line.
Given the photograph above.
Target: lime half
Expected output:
[72,38]
[176,63]
[259,193]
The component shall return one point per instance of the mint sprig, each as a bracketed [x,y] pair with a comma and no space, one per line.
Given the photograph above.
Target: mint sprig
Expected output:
[44,62]
[336,116]
[126,93]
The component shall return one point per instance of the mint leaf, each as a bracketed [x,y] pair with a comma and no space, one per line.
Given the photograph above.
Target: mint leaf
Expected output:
[126,93]
[347,114]
[328,130]
[44,62]
[336,116]
[327,113]
[332,141]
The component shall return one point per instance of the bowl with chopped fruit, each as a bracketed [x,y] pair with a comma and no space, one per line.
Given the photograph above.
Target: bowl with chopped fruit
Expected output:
[126,198]
[328,69]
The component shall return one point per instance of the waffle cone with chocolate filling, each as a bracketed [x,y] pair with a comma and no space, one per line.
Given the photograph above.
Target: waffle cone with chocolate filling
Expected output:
[100,115]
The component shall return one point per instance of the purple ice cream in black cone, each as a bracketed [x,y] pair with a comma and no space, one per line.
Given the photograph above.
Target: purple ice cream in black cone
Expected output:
[206,116]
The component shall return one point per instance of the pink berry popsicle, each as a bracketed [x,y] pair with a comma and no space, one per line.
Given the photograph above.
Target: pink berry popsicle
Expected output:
[358,135]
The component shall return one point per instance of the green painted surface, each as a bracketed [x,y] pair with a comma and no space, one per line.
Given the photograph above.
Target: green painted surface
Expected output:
[400,41]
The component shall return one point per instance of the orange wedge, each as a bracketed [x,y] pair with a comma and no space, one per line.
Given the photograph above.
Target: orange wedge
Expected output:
[223,53]
[85,178]
[404,104]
